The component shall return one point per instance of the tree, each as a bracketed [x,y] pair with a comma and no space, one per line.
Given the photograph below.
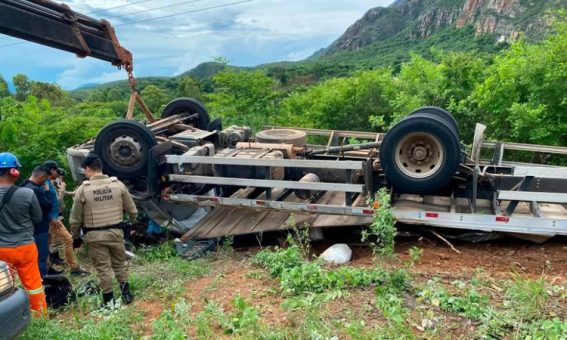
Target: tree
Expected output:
[52,92]
[524,98]
[154,97]
[34,130]
[189,87]
[113,94]
[243,97]
[23,86]
[420,82]
[343,103]
[4,92]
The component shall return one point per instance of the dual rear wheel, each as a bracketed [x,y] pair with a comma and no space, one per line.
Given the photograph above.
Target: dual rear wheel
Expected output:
[421,153]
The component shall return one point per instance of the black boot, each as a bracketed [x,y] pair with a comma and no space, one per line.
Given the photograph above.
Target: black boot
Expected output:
[53,271]
[127,296]
[107,298]
[55,259]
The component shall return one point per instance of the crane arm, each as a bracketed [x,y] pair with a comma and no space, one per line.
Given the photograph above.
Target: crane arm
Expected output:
[56,25]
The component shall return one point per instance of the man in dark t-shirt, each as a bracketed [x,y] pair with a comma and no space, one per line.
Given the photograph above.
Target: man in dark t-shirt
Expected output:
[36,182]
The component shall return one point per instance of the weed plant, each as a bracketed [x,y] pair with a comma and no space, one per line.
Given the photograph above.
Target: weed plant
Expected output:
[382,232]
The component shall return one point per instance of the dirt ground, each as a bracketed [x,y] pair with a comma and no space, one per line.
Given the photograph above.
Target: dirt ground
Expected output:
[498,259]
[492,262]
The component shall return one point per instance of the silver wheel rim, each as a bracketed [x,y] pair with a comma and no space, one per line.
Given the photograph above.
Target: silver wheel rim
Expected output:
[419,155]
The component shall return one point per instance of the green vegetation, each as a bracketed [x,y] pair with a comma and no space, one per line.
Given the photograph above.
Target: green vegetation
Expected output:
[294,296]
[299,276]
[383,228]
[525,311]
[154,273]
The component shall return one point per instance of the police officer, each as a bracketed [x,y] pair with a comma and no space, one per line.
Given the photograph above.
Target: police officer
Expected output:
[98,207]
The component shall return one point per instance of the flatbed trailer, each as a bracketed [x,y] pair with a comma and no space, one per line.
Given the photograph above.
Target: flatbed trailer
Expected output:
[512,211]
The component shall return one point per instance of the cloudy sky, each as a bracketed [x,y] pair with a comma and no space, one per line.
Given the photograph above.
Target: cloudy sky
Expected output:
[246,32]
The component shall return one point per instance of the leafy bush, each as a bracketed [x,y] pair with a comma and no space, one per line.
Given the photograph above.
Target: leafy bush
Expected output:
[279,260]
[298,276]
[382,231]
[164,251]
[172,322]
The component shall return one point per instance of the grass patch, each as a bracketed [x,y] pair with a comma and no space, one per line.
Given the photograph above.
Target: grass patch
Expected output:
[298,276]
[160,272]
[112,325]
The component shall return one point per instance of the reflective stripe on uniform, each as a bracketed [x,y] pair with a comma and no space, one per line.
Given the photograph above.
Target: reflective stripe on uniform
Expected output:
[35,291]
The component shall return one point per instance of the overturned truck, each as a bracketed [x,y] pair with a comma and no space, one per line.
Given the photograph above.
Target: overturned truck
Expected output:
[201,181]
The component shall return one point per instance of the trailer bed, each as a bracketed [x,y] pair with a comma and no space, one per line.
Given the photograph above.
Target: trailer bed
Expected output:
[237,220]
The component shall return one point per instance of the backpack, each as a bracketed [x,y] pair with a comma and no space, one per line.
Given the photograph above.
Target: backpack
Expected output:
[58,291]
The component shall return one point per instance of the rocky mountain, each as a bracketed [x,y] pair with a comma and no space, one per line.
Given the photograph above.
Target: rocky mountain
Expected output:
[504,20]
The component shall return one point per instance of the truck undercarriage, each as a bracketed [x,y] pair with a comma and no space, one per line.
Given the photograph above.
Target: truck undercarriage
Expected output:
[200,181]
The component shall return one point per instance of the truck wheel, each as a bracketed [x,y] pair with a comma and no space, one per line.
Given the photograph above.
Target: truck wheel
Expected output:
[286,136]
[188,106]
[420,154]
[123,147]
[441,113]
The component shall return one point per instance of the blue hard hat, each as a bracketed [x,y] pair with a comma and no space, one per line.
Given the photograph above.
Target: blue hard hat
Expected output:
[8,161]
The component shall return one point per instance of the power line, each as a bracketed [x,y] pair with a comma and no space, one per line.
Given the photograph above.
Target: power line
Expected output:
[121,6]
[158,18]
[161,17]
[152,9]
[186,12]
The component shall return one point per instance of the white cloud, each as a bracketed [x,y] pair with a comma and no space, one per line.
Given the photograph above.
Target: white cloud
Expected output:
[248,34]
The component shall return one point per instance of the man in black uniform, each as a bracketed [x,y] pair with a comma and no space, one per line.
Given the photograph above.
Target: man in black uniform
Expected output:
[36,182]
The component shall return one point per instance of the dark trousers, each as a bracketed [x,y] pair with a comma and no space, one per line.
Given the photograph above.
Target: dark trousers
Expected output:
[41,241]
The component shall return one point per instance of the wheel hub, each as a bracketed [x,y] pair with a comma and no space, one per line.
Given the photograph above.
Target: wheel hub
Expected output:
[419,155]
[125,151]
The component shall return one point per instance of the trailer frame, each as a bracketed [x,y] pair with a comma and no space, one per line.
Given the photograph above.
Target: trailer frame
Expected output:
[508,211]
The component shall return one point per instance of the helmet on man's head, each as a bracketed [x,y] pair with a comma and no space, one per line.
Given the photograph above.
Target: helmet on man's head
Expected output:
[9,161]
[10,164]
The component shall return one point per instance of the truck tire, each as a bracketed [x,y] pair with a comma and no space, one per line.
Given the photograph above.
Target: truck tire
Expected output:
[441,113]
[188,106]
[286,136]
[420,154]
[123,148]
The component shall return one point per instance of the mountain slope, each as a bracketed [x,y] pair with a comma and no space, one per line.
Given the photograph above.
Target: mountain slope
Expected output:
[505,20]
